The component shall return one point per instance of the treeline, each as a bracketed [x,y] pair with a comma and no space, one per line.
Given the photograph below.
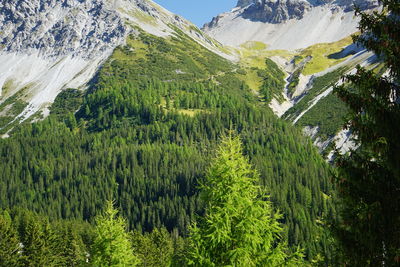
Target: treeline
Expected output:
[29,239]
[144,135]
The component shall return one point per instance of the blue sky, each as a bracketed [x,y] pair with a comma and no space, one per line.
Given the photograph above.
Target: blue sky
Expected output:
[197,11]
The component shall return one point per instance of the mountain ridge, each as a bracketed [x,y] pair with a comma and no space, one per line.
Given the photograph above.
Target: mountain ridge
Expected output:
[286,24]
[311,42]
[48,46]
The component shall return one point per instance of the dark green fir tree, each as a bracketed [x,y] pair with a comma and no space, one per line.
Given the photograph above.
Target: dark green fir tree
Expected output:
[38,242]
[10,248]
[369,177]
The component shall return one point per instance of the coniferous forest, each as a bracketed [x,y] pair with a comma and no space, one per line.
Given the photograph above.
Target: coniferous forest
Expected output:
[168,159]
[143,135]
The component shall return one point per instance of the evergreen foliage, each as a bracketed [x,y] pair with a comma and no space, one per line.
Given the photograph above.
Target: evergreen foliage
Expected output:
[369,177]
[111,246]
[294,81]
[38,242]
[273,81]
[45,243]
[144,136]
[239,227]
[71,241]
[154,249]
[73,249]
[9,243]
[68,101]
[320,84]
[10,108]
[328,114]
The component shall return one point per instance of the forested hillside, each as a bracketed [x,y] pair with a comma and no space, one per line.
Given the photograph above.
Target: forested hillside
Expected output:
[144,133]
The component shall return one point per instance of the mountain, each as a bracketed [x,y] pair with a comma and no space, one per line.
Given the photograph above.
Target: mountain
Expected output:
[287,24]
[140,98]
[47,46]
[310,41]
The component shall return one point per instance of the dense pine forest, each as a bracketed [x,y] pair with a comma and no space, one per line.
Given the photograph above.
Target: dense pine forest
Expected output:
[144,134]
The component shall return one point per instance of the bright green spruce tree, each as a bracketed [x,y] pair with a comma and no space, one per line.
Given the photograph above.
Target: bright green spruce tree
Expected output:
[112,246]
[369,177]
[239,227]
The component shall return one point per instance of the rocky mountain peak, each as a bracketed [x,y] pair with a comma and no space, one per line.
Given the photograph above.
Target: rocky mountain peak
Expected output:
[54,28]
[277,11]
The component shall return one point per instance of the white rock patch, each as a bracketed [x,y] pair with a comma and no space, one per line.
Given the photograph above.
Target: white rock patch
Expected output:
[43,79]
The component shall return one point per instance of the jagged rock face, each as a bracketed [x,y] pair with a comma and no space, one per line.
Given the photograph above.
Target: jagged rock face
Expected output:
[243,3]
[84,28]
[276,11]
[348,5]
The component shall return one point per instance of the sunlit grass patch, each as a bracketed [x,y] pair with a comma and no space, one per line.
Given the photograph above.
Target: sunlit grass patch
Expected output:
[252,79]
[319,54]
